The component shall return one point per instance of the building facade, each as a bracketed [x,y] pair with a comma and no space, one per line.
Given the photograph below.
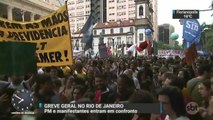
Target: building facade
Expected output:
[118,36]
[79,11]
[165,31]
[27,10]
[120,10]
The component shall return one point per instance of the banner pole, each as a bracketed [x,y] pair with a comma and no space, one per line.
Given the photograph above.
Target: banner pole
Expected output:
[69,33]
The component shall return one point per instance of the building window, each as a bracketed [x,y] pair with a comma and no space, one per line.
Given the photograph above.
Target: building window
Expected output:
[111,31]
[141,36]
[95,32]
[121,30]
[111,13]
[103,31]
[129,40]
[131,29]
[141,10]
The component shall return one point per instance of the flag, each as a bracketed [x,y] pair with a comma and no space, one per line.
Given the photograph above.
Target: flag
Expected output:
[87,31]
[142,46]
[192,32]
[131,48]
[17,58]
[191,54]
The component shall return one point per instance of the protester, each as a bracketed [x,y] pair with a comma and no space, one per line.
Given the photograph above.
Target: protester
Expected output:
[142,96]
[205,91]
[192,85]
[173,103]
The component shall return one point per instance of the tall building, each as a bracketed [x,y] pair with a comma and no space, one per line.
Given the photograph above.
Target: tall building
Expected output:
[165,31]
[120,10]
[98,10]
[155,18]
[26,10]
[79,11]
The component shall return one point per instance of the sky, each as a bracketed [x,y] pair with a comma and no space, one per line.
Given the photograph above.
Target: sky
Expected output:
[165,8]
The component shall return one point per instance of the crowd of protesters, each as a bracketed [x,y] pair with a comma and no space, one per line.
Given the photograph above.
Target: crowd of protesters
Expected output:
[170,81]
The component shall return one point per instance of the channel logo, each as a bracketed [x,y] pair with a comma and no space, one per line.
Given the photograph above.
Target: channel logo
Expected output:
[192,108]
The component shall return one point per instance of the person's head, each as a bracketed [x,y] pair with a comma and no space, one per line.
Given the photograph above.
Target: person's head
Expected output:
[205,88]
[53,71]
[100,81]
[167,77]
[142,96]
[183,74]
[69,82]
[78,92]
[79,67]
[122,65]
[125,85]
[204,70]
[133,65]
[44,84]
[172,100]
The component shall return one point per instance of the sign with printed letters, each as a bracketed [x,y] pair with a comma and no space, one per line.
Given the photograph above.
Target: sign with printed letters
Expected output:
[51,34]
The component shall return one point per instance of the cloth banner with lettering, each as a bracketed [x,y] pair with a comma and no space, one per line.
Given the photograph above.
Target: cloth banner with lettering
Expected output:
[191,32]
[17,58]
[50,33]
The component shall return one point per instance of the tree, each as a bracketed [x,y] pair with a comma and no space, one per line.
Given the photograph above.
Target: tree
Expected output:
[207,38]
[163,46]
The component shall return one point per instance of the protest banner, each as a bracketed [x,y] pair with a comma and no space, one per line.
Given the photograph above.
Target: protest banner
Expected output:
[51,34]
[171,52]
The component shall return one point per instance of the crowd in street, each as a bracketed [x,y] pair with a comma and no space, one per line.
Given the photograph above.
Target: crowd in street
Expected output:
[170,81]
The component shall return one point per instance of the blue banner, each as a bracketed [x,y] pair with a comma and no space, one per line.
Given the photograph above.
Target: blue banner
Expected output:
[192,32]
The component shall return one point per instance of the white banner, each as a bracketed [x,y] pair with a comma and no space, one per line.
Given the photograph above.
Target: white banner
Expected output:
[171,52]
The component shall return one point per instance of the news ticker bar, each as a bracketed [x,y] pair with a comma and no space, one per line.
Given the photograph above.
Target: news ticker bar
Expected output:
[102,108]
[186,14]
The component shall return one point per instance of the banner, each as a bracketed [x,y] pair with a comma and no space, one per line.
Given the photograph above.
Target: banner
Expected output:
[191,32]
[51,34]
[171,52]
[17,58]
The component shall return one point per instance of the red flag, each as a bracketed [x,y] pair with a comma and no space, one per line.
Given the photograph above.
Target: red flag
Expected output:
[149,47]
[191,54]
[142,46]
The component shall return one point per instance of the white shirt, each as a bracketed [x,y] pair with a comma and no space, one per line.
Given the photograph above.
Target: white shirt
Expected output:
[179,118]
[182,118]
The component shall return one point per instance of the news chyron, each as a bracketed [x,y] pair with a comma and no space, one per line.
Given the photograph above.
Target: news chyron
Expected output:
[185,14]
